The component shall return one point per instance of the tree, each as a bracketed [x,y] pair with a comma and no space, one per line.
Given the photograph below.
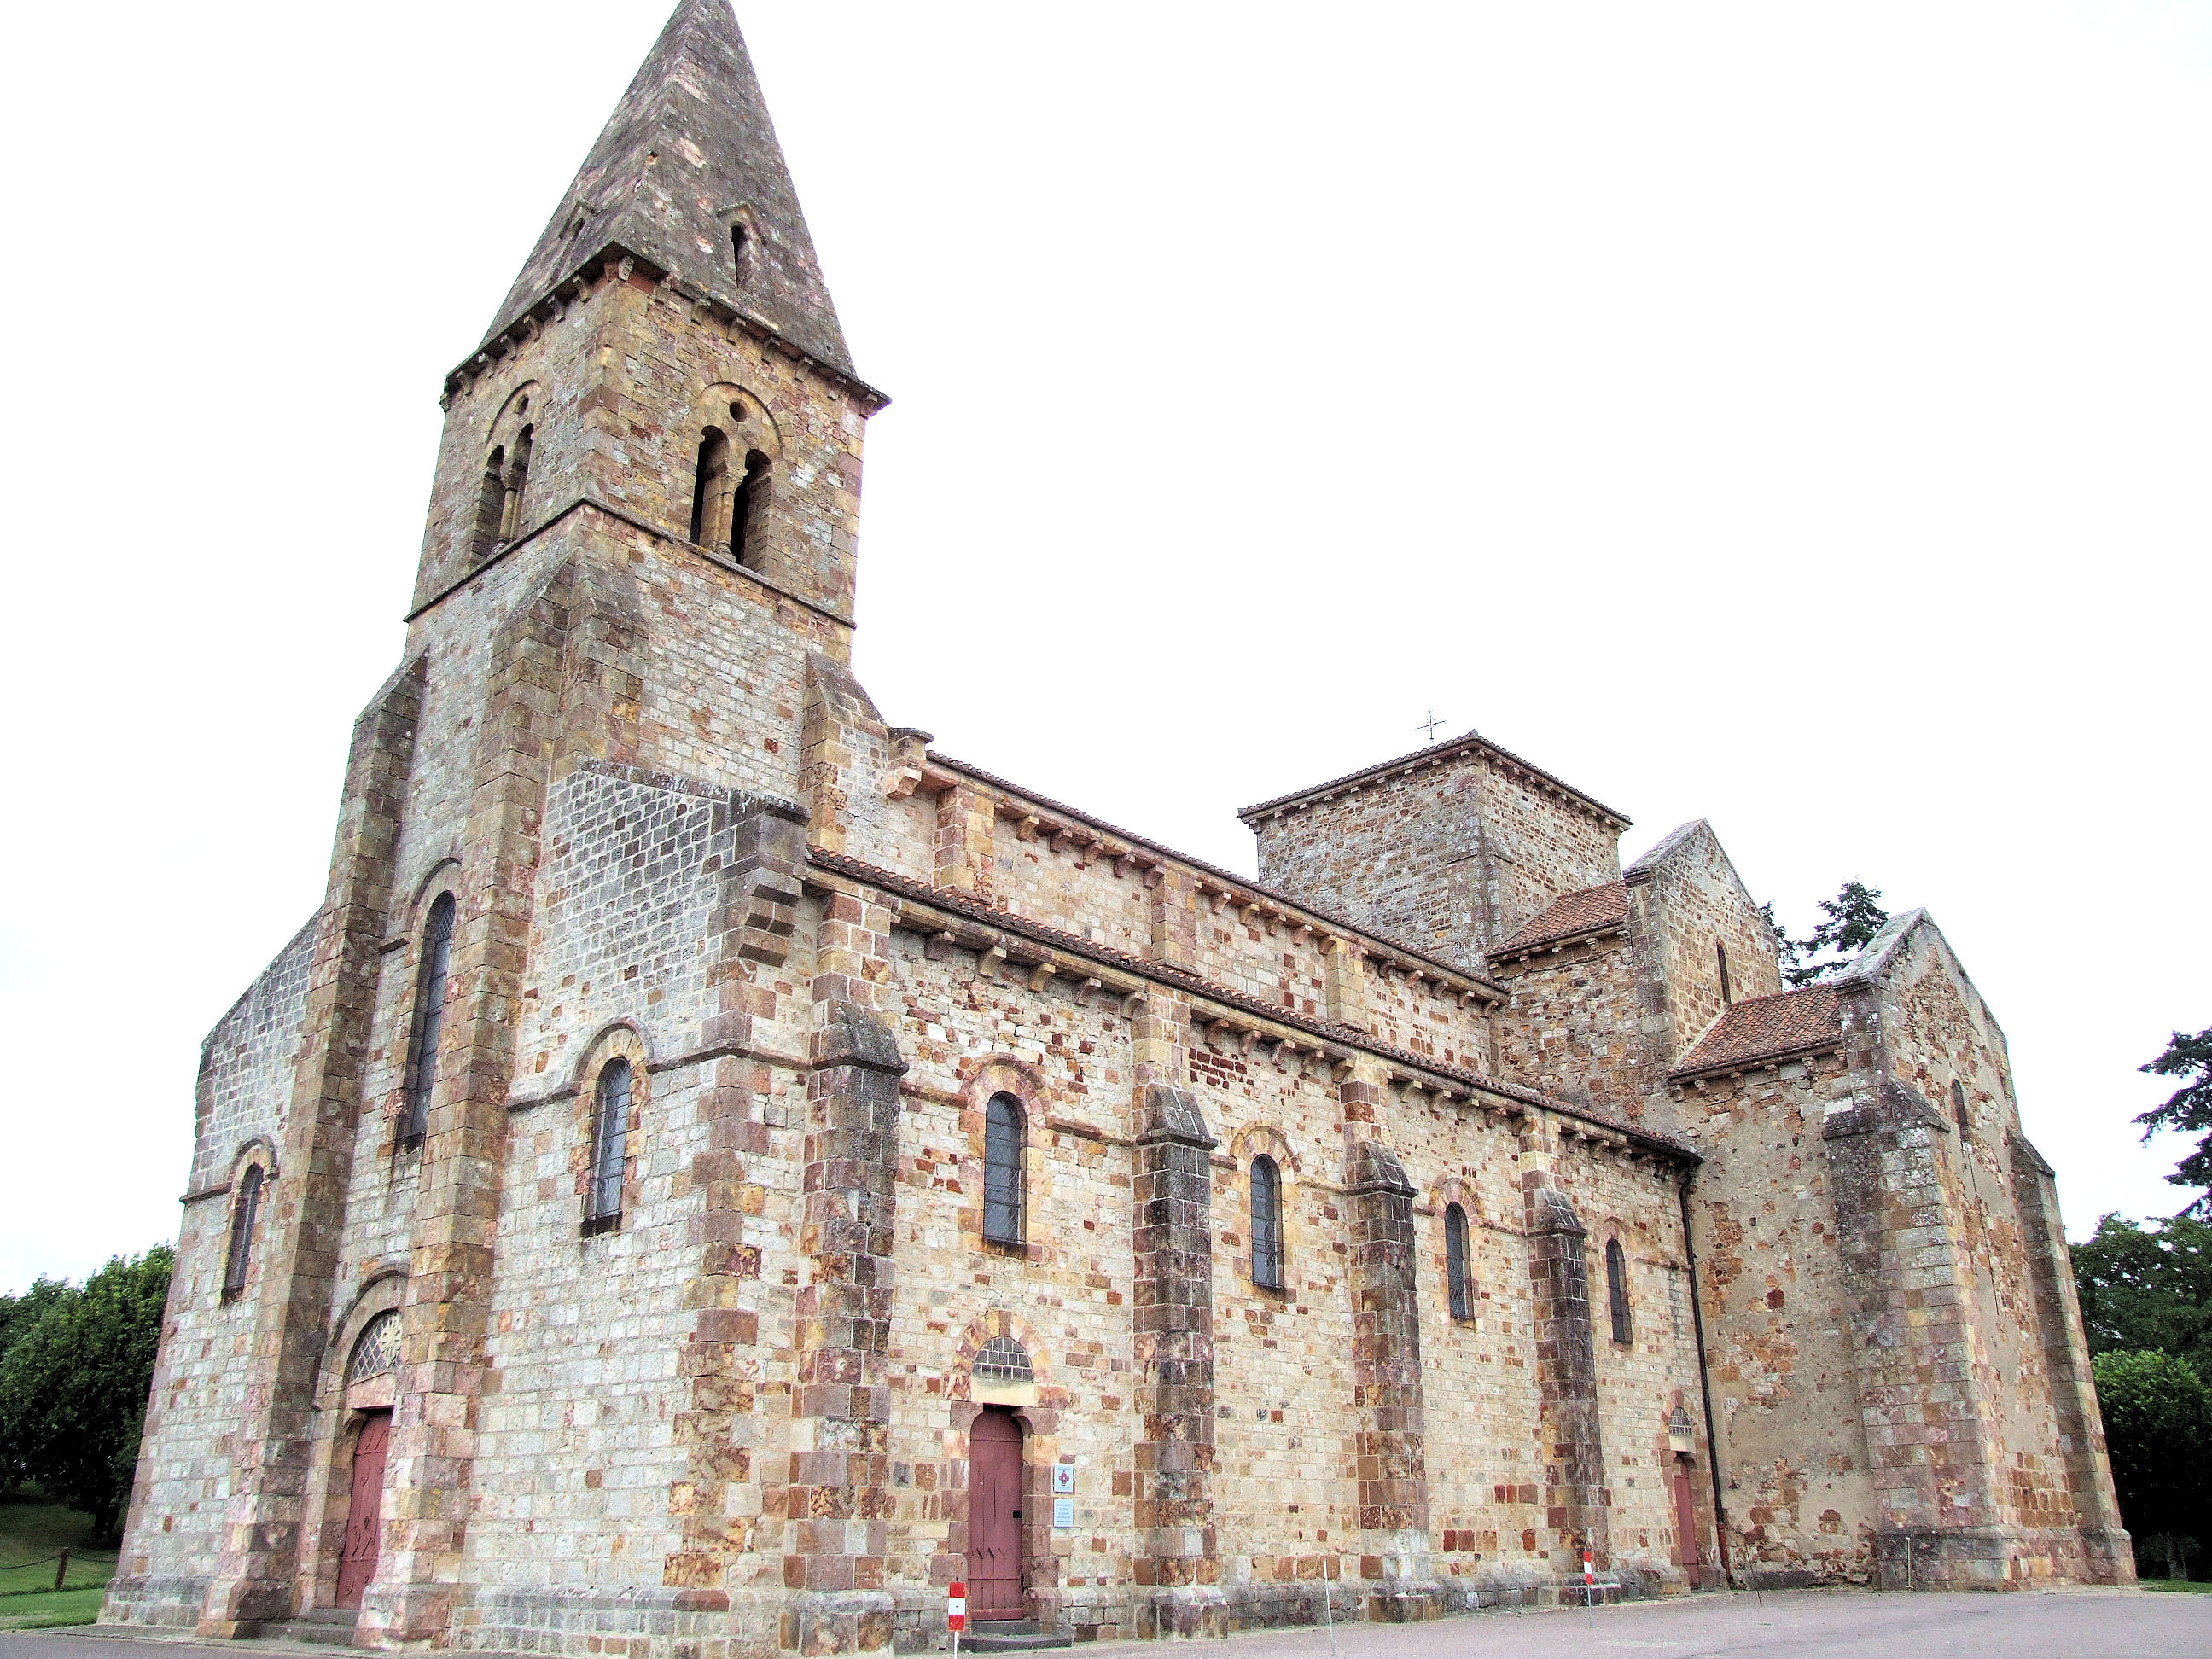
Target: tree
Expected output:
[2148,1286]
[17,1315]
[2189,1107]
[1848,922]
[2158,1430]
[74,1383]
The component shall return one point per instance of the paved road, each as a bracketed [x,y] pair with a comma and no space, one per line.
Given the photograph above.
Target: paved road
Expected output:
[1792,1624]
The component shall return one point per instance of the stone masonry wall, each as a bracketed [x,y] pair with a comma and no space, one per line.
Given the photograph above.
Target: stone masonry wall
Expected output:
[1800,1502]
[1448,854]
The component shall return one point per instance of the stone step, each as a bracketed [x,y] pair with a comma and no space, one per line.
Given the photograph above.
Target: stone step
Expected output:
[324,1626]
[1010,1636]
[975,1642]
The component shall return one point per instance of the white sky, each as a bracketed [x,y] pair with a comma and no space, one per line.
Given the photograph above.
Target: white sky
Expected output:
[1793,416]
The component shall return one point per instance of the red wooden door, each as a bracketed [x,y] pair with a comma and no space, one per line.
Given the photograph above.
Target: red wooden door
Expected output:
[1685,1524]
[365,1515]
[994,1517]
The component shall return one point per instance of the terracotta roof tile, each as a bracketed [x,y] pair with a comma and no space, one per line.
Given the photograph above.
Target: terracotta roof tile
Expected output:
[1767,1028]
[1569,916]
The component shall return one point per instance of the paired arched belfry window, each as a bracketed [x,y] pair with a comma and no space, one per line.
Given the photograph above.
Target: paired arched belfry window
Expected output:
[499,494]
[729,501]
[1002,1170]
[1266,1224]
[1459,1276]
[429,1017]
[610,1145]
[242,1217]
[1958,1112]
[1616,1289]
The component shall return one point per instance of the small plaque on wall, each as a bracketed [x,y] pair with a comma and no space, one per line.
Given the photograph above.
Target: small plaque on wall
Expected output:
[1063,1511]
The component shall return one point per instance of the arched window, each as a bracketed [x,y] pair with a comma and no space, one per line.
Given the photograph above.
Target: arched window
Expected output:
[1266,1224]
[749,511]
[610,1147]
[430,1019]
[242,1232]
[1002,1170]
[1958,1112]
[1616,1288]
[517,479]
[491,505]
[711,491]
[1457,1274]
[375,1351]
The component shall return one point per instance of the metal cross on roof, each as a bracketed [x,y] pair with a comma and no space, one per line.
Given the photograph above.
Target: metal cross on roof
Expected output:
[1430,725]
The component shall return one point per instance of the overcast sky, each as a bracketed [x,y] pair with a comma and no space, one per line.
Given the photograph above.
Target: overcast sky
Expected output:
[1791,416]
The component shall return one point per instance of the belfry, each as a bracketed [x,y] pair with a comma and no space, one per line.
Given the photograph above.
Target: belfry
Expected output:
[715,1170]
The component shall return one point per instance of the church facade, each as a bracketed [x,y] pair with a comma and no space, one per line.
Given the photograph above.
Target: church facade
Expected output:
[716,1171]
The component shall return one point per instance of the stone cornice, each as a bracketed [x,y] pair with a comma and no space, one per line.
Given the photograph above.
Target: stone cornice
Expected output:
[1384,771]
[583,279]
[1039,948]
[578,504]
[1233,889]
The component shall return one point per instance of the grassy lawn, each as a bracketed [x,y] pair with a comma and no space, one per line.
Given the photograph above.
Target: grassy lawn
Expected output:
[2186,1586]
[42,1610]
[31,1527]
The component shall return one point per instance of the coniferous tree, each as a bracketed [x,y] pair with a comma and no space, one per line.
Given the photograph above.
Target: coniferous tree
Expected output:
[1848,922]
[2189,1107]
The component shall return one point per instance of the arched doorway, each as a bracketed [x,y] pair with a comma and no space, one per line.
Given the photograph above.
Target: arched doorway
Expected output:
[994,1515]
[365,1512]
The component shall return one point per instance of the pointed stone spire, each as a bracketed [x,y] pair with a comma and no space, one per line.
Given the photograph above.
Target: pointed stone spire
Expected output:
[687,169]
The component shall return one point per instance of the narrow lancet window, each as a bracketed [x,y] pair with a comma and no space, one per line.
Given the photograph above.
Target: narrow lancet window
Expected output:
[749,512]
[430,1019]
[1616,1288]
[518,478]
[1002,1170]
[491,505]
[241,1233]
[1720,953]
[1958,1112]
[1266,1224]
[711,492]
[610,1145]
[741,253]
[1458,1277]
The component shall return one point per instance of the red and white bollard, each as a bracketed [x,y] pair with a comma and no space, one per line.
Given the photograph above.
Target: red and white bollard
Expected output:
[1589,1587]
[955,1610]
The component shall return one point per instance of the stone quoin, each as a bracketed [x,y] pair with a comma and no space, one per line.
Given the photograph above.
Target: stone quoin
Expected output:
[716,1172]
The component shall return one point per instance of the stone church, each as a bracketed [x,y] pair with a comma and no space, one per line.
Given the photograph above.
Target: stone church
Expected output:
[716,1170]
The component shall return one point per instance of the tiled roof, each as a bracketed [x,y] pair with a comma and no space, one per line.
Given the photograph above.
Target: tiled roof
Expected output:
[1569,916]
[1450,749]
[963,904]
[1767,1028]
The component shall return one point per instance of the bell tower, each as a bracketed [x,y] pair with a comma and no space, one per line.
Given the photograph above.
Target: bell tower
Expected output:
[668,363]
[639,557]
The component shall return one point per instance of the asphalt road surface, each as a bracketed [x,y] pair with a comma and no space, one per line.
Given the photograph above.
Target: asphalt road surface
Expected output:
[2069,1624]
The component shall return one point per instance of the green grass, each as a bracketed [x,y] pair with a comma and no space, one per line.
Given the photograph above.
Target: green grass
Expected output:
[2185,1586]
[44,1610]
[31,1527]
